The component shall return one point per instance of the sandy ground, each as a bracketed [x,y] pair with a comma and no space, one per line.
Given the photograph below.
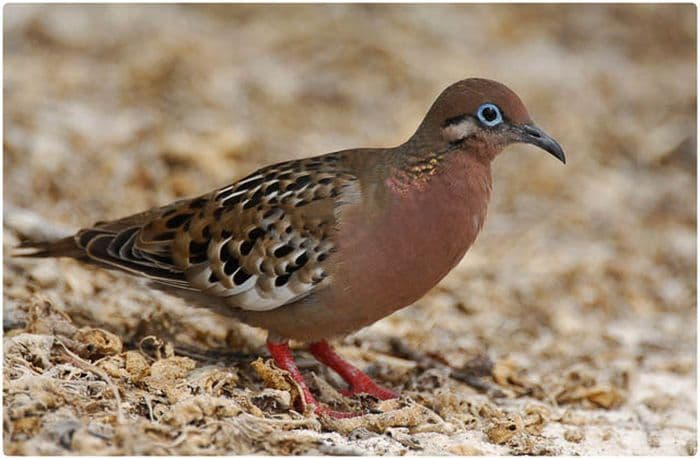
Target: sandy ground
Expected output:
[570,328]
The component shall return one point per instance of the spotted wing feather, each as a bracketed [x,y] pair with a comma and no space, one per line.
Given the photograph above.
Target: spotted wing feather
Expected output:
[261,242]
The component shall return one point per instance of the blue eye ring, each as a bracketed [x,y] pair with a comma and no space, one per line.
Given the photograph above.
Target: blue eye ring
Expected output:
[489,114]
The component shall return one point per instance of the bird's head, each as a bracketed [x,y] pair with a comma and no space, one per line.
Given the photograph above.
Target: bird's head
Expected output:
[479,112]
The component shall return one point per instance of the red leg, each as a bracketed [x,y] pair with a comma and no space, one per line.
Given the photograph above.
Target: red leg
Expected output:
[284,359]
[359,382]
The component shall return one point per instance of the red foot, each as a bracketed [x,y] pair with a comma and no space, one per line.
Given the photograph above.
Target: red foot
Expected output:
[284,359]
[359,382]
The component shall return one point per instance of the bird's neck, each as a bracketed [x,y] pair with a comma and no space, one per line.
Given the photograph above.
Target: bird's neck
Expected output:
[417,168]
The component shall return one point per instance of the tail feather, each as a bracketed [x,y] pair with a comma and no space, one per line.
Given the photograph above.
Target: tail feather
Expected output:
[107,250]
[65,247]
[139,244]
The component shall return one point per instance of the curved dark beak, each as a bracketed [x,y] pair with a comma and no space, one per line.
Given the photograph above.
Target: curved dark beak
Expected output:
[529,133]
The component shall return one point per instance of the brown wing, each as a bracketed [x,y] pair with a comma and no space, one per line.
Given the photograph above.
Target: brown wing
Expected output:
[261,242]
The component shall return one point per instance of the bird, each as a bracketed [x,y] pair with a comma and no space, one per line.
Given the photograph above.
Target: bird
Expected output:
[314,249]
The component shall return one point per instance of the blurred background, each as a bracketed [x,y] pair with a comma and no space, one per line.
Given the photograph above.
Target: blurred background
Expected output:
[582,282]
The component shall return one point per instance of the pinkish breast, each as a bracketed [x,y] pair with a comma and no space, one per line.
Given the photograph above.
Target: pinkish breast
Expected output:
[393,258]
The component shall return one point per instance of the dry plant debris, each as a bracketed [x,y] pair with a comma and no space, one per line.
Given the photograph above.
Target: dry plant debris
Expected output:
[570,327]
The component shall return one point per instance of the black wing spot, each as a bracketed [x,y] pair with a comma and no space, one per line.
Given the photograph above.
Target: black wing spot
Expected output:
[231,266]
[325,180]
[198,251]
[206,232]
[197,247]
[241,276]
[224,253]
[250,185]
[281,280]
[219,212]
[254,200]
[246,247]
[322,257]
[225,234]
[271,188]
[222,195]
[213,278]
[233,200]
[255,234]
[303,180]
[178,221]
[283,251]
[301,260]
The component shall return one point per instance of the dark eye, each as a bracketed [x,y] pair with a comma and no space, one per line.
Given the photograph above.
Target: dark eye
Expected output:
[489,114]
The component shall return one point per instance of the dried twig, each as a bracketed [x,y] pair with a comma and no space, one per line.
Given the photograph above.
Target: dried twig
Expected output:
[471,373]
[79,362]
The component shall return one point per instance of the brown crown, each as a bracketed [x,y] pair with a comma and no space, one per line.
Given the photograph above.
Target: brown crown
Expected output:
[465,97]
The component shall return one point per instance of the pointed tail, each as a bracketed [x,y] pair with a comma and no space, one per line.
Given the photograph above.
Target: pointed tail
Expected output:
[65,247]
